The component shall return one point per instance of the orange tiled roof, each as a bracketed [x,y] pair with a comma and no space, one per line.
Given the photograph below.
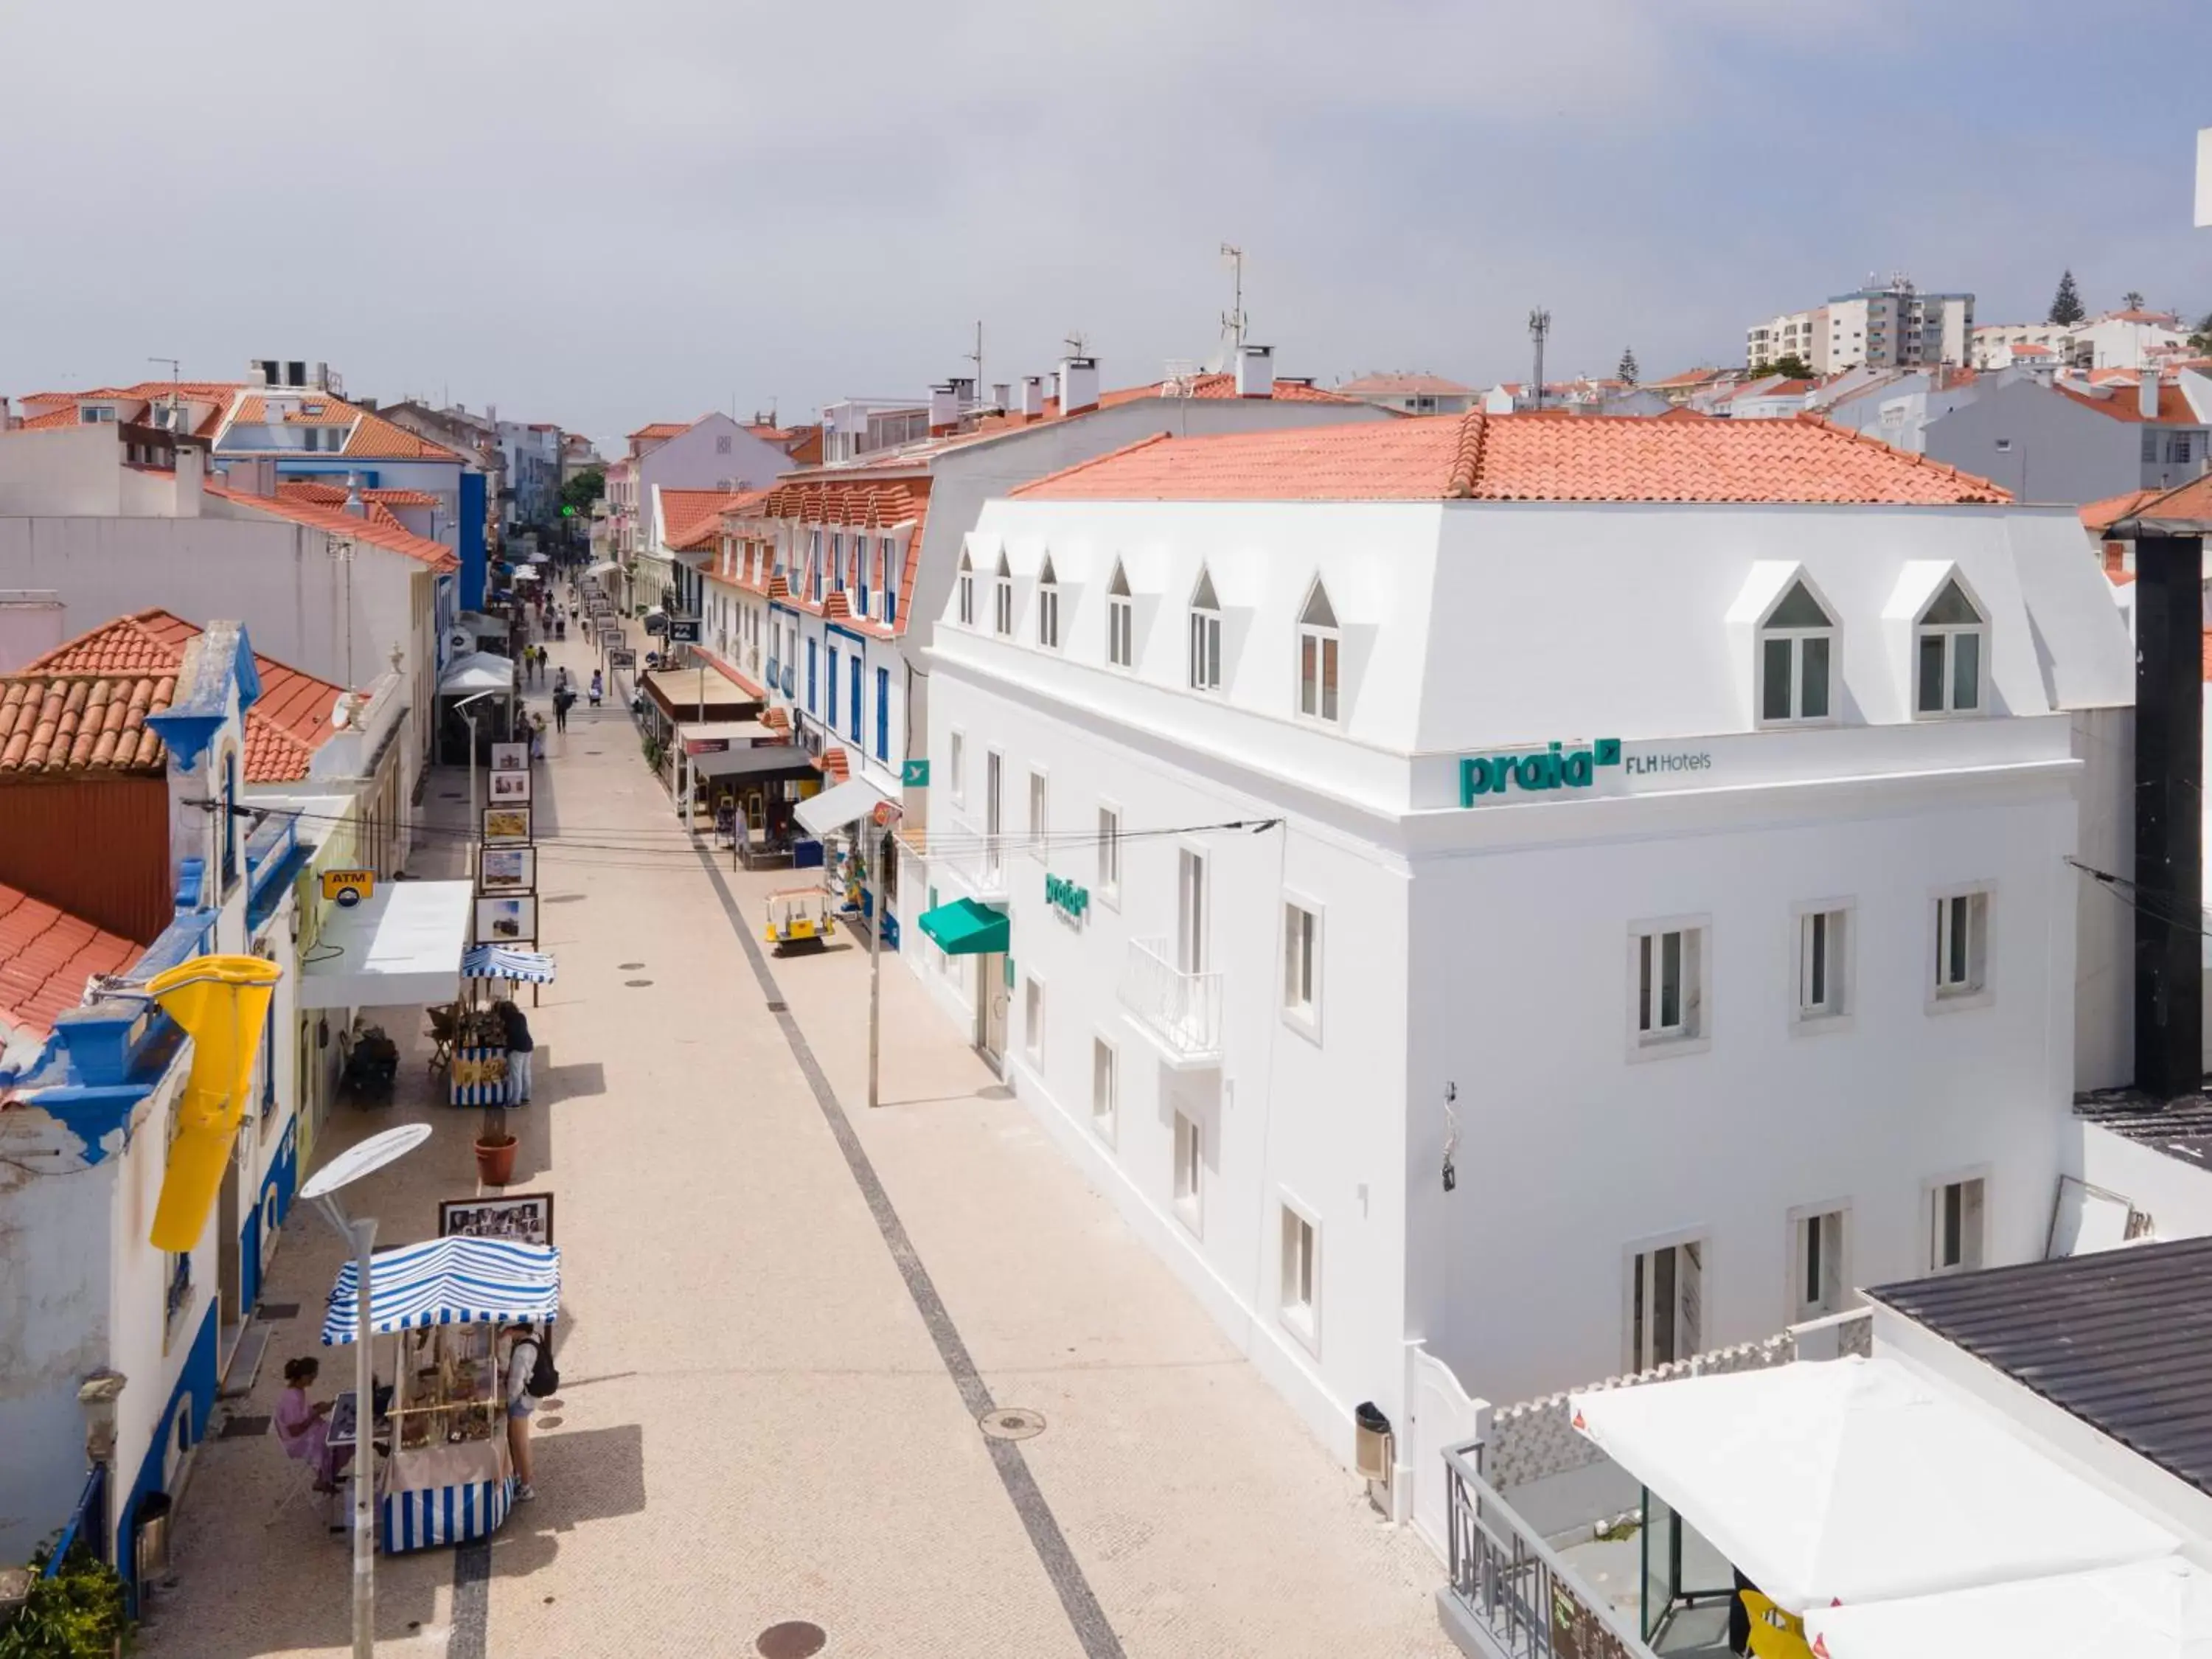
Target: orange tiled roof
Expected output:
[372,437]
[46,956]
[661,431]
[331,495]
[284,728]
[834,765]
[81,722]
[1522,458]
[1208,388]
[1401,384]
[372,530]
[2173,407]
[692,518]
[2192,500]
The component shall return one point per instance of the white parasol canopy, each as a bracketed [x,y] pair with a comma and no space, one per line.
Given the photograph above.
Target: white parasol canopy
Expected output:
[1851,1480]
[2151,1610]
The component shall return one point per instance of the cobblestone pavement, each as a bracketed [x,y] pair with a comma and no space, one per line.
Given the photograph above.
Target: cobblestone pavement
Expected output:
[782,1312]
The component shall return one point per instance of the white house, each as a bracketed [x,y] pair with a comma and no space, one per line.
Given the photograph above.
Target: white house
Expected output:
[1553,894]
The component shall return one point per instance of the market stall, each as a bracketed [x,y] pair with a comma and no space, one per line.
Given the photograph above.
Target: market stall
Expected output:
[478,1073]
[449,1477]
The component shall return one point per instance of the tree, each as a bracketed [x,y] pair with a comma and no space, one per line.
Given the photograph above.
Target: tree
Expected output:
[1790,365]
[2066,307]
[585,488]
[2132,300]
[2200,339]
[1628,374]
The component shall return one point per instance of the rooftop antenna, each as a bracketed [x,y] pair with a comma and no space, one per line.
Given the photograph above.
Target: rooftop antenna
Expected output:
[976,358]
[1077,344]
[1539,325]
[176,392]
[1234,321]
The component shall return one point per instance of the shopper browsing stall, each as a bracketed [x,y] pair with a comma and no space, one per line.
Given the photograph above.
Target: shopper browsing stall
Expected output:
[519,1047]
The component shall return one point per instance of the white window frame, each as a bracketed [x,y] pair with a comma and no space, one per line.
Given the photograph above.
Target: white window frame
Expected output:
[1944,995]
[1109,855]
[1835,1263]
[1002,600]
[1040,810]
[1796,638]
[956,762]
[1105,1088]
[1974,1219]
[1692,1032]
[1949,632]
[1297,1281]
[1636,1359]
[994,811]
[1188,1192]
[1194,909]
[1302,1014]
[1033,1018]
[967,585]
[1047,606]
[1120,621]
[1839,974]
[1204,644]
[1320,695]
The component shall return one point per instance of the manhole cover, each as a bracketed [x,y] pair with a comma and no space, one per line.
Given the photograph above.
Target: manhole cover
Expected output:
[635,984]
[1011,1422]
[630,967]
[243,1428]
[779,1007]
[793,1639]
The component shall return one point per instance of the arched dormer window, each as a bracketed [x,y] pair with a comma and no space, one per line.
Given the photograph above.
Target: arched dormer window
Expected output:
[1121,620]
[1796,659]
[1950,654]
[967,591]
[1047,609]
[1002,598]
[1318,642]
[1205,635]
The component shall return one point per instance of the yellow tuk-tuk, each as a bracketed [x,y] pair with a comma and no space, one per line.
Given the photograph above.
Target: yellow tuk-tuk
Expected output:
[798,917]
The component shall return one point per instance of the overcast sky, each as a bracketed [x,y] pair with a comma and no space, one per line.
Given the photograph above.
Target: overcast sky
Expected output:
[603,214]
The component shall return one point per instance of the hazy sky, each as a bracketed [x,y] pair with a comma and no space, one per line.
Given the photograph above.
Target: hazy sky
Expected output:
[610,214]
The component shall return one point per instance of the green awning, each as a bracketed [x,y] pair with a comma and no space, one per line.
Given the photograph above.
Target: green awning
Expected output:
[965,928]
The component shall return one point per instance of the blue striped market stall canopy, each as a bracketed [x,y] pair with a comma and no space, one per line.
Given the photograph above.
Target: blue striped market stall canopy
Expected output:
[450,1281]
[499,962]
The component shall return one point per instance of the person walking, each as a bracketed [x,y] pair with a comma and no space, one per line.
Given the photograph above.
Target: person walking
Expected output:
[598,688]
[563,700]
[538,737]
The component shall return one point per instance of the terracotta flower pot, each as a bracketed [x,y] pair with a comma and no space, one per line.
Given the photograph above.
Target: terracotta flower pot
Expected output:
[495,1159]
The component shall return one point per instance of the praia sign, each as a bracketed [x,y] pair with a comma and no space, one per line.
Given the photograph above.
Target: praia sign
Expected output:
[1064,896]
[1553,768]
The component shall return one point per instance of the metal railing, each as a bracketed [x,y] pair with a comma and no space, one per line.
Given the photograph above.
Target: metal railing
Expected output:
[1528,1602]
[979,860]
[87,1525]
[1183,1011]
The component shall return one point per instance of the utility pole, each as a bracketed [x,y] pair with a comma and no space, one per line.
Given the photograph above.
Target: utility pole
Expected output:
[976,358]
[1233,320]
[1539,325]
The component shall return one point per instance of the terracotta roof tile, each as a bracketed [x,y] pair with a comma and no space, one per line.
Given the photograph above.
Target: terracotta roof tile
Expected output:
[2190,501]
[2173,407]
[82,705]
[372,436]
[1522,458]
[1402,385]
[692,518]
[331,495]
[661,431]
[393,535]
[46,956]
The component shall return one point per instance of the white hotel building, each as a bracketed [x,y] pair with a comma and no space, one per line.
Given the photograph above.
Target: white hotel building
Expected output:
[1551,895]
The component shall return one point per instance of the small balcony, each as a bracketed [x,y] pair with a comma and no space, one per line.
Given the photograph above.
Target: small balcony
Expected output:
[977,862]
[1181,1012]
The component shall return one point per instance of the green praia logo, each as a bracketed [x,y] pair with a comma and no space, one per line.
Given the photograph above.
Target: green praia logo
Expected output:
[1555,767]
[1064,896]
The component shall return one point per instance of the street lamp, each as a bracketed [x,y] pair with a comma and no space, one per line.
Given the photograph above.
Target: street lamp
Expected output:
[322,1187]
[476,818]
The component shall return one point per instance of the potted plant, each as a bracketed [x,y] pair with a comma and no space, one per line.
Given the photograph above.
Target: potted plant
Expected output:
[494,1149]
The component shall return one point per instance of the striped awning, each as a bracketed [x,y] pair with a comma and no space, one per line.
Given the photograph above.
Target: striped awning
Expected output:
[450,1281]
[502,962]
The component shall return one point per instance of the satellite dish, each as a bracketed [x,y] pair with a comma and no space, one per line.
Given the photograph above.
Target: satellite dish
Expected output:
[372,1154]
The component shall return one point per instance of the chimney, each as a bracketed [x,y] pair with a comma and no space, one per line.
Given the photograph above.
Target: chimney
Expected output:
[1002,395]
[1078,385]
[1255,371]
[2146,394]
[944,407]
[1032,395]
[354,506]
[2169,768]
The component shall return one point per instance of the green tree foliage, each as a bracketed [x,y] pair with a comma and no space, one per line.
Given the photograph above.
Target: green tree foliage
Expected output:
[78,1613]
[2132,300]
[2066,307]
[1791,366]
[581,490]
[1628,373]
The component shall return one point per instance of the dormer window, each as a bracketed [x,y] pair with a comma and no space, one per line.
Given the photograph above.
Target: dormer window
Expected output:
[1796,660]
[1047,609]
[1318,640]
[1121,620]
[967,592]
[1949,654]
[1002,599]
[837,562]
[814,562]
[1205,636]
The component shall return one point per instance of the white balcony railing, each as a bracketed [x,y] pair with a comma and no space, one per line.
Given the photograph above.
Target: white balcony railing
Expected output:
[977,860]
[1180,1011]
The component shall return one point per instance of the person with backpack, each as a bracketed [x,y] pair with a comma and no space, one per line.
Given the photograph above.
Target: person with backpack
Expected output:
[531,1377]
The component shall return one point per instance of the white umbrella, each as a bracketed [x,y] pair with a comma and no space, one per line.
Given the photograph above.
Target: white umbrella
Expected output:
[1851,1481]
[2151,1610]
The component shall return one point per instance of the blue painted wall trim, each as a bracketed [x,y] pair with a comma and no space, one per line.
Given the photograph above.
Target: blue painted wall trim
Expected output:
[471,548]
[860,640]
[193,1397]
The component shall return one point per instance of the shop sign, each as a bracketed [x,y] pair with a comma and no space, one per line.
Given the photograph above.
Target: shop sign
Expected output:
[1535,770]
[347,887]
[684,630]
[1064,896]
[914,774]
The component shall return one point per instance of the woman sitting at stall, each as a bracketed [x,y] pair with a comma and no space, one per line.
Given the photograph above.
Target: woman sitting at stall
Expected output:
[303,1426]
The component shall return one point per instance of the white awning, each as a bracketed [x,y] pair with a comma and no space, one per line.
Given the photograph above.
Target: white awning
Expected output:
[526,574]
[401,945]
[1852,1480]
[2153,1610]
[480,671]
[482,626]
[601,569]
[837,807]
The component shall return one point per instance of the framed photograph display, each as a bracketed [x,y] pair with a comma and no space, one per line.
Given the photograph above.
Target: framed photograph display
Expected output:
[508,870]
[510,757]
[506,823]
[506,920]
[525,1218]
[509,787]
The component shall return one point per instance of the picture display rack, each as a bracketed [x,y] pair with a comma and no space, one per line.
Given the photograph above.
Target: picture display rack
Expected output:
[505,896]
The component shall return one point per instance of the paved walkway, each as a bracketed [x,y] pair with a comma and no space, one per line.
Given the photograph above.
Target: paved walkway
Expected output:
[783,1316]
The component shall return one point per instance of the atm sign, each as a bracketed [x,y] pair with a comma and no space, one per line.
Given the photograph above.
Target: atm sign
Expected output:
[347,888]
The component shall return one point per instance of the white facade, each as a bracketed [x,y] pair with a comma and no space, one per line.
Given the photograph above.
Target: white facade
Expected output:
[1473,990]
